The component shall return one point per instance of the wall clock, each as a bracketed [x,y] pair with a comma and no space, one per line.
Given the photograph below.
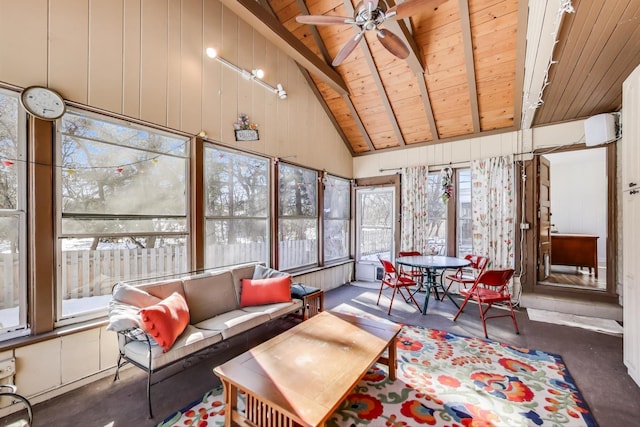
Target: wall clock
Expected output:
[42,102]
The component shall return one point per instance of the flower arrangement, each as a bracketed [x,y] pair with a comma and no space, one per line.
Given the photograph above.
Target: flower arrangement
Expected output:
[447,185]
[244,123]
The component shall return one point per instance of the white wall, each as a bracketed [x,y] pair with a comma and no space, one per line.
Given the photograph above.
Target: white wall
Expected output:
[579,194]
[146,60]
[463,151]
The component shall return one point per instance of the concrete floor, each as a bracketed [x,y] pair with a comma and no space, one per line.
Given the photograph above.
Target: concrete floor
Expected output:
[594,360]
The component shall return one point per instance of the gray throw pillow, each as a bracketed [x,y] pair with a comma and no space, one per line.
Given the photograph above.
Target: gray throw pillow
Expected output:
[262,272]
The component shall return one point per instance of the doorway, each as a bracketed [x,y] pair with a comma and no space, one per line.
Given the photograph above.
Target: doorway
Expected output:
[375,229]
[574,215]
[575,254]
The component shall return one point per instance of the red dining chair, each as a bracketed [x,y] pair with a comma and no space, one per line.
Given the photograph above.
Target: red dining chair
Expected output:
[490,287]
[412,273]
[467,275]
[398,283]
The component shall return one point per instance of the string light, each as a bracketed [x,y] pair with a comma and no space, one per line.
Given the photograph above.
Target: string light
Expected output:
[565,7]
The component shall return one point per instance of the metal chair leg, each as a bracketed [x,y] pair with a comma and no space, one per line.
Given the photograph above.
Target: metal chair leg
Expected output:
[12,394]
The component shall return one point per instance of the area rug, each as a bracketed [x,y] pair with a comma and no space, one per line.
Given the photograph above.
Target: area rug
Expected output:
[449,380]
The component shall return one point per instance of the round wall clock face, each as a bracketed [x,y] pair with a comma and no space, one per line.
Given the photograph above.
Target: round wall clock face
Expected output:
[42,102]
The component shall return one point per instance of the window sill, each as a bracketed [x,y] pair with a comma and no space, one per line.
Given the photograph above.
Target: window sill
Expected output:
[56,333]
[309,270]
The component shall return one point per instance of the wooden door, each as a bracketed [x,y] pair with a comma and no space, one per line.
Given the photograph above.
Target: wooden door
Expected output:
[543,172]
[631,218]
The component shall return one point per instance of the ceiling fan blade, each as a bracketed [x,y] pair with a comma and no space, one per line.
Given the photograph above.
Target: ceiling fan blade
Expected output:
[412,7]
[393,43]
[324,20]
[347,49]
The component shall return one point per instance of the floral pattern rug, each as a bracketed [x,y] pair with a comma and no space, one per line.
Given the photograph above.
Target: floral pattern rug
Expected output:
[449,380]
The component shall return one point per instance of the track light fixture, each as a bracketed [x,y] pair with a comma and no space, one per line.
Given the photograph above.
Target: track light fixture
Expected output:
[256,75]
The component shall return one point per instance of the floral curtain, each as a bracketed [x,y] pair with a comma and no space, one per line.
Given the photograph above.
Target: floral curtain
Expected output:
[493,207]
[415,218]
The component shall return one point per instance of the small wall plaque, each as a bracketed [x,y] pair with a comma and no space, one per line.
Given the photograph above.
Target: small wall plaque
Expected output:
[247,135]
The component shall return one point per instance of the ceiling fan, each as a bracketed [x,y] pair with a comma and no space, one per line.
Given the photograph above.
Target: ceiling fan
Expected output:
[369,15]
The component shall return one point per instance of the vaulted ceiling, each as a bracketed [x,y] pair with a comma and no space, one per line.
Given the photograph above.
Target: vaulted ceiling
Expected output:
[464,73]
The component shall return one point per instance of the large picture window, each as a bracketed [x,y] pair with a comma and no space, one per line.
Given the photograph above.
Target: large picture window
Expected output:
[122,211]
[297,216]
[237,207]
[336,217]
[13,293]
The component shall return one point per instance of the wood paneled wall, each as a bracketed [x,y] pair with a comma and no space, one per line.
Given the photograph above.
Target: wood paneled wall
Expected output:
[145,59]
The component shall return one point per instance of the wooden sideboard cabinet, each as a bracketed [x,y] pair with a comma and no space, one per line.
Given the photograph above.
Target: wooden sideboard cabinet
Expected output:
[579,250]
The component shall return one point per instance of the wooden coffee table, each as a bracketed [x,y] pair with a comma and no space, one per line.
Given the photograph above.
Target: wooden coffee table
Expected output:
[301,376]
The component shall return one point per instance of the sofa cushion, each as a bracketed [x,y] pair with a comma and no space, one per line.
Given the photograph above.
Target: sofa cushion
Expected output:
[233,322]
[133,296]
[265,291]
[190,341]
[209,295]
[164,289]
[242,271]
[165,321]
[276,310]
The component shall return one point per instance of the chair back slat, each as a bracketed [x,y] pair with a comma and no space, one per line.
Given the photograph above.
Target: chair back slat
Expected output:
[497,279]
[388,266]
[409,253]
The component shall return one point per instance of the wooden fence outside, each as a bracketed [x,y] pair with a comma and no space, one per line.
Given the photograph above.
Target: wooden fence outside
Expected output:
[93,273]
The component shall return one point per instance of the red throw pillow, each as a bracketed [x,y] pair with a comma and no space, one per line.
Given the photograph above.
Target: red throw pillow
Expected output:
[166,320]
[265,291]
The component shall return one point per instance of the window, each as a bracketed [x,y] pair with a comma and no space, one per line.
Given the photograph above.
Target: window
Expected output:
[122,209]
[464,235]
[237,207]
[13,292]
[337,216]
[297,217]
[437,213]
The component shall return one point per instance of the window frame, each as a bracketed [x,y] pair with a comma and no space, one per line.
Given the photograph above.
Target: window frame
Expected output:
[21,212]
[444,249]
[456,226]
[279,217]
[267,218]
[63,319]
[346,219]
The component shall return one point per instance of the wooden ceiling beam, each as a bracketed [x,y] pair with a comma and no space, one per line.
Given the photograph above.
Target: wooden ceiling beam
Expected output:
[315,33]
[465,22]
[266,24]
[312,84]
[384,98]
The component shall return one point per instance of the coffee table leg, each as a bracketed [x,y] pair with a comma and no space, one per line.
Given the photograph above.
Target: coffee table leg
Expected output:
[392,359]
[230,402]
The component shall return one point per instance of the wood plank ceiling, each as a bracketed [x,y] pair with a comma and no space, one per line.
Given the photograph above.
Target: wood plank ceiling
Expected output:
[464,74]
[599,46]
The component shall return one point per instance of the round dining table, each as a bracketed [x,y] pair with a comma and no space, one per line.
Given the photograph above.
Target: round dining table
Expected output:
[430,265]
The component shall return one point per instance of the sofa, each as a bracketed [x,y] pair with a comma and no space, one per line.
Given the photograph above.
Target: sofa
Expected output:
[161,322]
